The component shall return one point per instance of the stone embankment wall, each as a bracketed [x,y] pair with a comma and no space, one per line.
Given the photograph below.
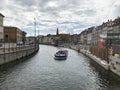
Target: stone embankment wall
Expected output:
[113,63]
[85,51]
[15,53]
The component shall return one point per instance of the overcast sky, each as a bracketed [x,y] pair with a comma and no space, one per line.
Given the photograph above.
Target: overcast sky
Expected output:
[70,16]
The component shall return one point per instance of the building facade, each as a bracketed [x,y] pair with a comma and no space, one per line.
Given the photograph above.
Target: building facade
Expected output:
[89,36]
[108,31]
[75,38]
[13,35]
[83,37]
[1,29]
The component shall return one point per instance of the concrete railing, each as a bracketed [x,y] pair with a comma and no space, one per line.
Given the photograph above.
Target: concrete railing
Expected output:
[16,53]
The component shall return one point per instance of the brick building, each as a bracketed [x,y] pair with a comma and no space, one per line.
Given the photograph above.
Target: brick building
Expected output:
[14,35]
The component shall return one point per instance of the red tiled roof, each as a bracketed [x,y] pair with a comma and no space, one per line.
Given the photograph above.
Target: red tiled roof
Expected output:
[58,35]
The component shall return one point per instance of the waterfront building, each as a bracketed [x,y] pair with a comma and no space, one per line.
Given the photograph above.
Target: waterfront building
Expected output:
[24,37]
[116,25]
[89,35]
[40,37]
[58,39]
[81,37]
[1,30]
[84,37]
[75,38]
[30,40]
[14,35]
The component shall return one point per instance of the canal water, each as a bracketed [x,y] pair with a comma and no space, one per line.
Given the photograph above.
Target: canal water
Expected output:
[42,72]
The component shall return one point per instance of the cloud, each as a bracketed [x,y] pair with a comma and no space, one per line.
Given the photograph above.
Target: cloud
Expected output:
[116,9]
[70,16]
[3,3]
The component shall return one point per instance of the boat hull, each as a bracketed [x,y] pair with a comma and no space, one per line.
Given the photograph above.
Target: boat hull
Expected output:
[60,58]
[61,55]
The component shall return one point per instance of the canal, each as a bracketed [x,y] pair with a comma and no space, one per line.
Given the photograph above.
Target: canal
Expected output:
[42,72]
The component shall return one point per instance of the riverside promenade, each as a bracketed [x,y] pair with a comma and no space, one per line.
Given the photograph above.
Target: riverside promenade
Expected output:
[85,51]
[9,53]
[113,65]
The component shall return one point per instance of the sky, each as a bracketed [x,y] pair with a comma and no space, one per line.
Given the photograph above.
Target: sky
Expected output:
[69,16]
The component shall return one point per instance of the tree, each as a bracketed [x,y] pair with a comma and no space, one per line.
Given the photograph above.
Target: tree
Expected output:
[64,39]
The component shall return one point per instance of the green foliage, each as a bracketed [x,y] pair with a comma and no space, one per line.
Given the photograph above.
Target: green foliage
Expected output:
[64,39]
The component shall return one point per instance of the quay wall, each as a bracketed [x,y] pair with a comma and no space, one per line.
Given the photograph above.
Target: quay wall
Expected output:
[85,50]
[15,53]
[113,65]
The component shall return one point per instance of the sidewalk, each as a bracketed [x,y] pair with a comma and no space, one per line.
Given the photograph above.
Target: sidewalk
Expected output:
[102,63]
[113,65]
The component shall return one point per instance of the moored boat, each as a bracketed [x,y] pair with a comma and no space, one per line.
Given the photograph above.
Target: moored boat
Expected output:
[61,55]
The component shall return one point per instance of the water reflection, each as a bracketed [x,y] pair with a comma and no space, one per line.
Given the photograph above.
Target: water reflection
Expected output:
[42,72]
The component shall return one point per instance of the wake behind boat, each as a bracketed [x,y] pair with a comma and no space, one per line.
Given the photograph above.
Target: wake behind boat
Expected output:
[61,55]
